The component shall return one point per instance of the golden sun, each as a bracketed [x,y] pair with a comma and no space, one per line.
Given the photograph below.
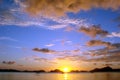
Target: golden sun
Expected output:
[66,69]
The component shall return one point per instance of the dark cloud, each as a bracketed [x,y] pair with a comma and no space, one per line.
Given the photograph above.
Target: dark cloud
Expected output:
[9,62]
[93,31]
[44,50]
[60,7]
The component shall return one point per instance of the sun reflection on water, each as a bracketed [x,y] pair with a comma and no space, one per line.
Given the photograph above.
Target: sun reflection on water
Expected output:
[65,76]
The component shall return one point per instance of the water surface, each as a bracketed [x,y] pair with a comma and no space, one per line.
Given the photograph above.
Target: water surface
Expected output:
[57,76]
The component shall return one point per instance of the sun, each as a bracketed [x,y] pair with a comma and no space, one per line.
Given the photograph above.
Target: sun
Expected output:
[66,69]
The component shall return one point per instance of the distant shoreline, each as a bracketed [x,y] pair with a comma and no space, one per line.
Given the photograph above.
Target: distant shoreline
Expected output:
[104,69]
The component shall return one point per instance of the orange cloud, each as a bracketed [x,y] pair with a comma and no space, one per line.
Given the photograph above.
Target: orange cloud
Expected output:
[60,7]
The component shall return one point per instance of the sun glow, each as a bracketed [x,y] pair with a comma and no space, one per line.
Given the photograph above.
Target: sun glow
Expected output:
[66,69]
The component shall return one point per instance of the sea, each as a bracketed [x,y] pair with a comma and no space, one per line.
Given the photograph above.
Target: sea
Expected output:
[59,76]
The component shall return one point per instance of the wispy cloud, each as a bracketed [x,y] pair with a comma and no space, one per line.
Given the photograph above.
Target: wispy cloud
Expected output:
[68,23]
[50,45]
[105,54]
[68,29]
[72,58]
[63,41]
[102,59]
[114,34]
[40,59]
[7,38]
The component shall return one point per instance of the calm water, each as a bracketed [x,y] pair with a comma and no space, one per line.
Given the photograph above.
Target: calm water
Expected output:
[55,76]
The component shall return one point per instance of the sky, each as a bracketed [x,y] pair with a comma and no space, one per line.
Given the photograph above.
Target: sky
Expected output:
[53,34]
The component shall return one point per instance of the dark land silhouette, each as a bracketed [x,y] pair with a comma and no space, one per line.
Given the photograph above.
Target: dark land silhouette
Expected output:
[13,70]
[56,71]
[104,69]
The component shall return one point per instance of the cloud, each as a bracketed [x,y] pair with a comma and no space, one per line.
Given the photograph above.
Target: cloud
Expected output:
[10,19]
[100,55]
[64,52]
[44,50]
[65,42]
[114,34]
[98,43]
[8,13]
[14,14]
[93,31]
[68,29]
[72,58]
[17,17]
[7,38]
[20,65]
[9,62]
[61,7]
[116,45]
[44,22]
[65,22]
[50,45]
[40,59]
[105,59]
[105,54]
[59,26]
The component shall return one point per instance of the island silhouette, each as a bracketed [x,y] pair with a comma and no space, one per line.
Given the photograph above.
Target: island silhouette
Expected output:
[104,69]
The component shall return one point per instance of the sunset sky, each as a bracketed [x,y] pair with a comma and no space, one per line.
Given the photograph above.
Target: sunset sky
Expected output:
[53,34]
